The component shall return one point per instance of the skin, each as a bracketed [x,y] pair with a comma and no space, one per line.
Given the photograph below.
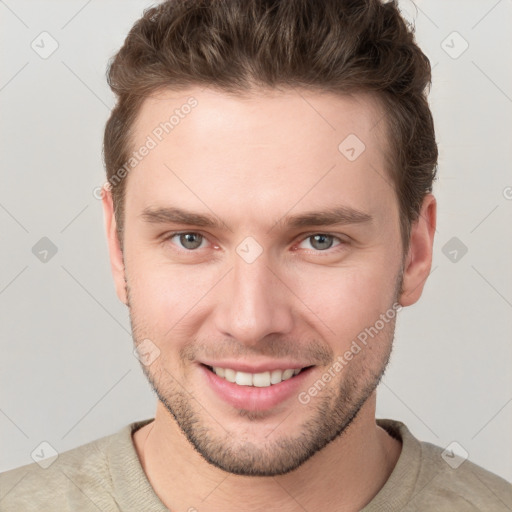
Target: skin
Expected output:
[251,161]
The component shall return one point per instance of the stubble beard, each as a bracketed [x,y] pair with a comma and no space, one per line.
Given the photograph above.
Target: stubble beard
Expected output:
[334,409]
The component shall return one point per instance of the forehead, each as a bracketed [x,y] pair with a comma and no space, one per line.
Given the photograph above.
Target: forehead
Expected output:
[260,113]
[254,152]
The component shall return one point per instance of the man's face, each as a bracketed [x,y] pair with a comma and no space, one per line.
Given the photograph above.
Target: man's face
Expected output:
[254,291]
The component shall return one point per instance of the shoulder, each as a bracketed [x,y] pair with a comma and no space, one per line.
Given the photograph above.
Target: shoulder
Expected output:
[428,477]
[446,479]
[78,479]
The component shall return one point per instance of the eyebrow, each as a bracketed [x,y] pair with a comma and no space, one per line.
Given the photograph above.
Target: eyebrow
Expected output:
[179,216]
[329,217]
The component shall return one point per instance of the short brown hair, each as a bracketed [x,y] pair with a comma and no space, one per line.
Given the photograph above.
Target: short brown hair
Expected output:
[340,46]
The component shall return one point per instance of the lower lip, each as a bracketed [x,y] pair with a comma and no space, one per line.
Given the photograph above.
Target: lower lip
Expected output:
[252,398]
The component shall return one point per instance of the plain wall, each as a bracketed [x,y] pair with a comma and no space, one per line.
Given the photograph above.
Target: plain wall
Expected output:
[67,372]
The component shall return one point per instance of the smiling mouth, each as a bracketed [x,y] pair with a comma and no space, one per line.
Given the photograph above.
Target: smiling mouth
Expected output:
[260,380]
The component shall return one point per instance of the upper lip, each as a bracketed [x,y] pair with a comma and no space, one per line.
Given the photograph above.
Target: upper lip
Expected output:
[264,366]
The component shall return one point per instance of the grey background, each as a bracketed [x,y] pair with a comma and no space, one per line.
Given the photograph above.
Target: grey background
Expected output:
[67,372]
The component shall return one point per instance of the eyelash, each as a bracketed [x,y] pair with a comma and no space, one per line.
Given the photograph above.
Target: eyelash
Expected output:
[169,236]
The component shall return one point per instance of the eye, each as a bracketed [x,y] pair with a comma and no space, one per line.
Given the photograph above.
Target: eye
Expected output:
[189,240]
[321,241]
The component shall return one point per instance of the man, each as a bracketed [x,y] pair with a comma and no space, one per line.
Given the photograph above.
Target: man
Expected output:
[268,212]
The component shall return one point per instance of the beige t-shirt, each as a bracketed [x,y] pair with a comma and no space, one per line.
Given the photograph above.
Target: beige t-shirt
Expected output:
[106,475]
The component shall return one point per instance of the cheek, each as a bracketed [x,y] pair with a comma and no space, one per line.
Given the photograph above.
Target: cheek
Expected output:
[347,300]
[163,296]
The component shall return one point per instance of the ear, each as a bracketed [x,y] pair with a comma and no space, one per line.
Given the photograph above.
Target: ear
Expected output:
[114,246]
[419,257]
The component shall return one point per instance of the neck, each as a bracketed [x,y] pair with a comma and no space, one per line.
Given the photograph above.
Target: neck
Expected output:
[344,476]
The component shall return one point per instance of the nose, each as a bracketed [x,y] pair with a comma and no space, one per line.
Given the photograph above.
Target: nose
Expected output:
[255,302]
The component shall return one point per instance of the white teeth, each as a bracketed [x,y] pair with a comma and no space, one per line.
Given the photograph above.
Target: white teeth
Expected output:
[260,380]
[243,379]
[276,377]
[229,375]
[221,372]
[287,374]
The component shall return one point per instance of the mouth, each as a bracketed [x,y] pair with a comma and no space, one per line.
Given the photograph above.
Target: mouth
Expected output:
[261,391]
[256,385]
[260,380]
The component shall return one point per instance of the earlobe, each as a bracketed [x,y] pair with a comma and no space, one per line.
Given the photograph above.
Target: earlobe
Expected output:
[114,246]
[419,256]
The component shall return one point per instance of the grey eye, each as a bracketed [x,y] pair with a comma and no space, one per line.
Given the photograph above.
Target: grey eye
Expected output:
[321,242]
[190,240]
